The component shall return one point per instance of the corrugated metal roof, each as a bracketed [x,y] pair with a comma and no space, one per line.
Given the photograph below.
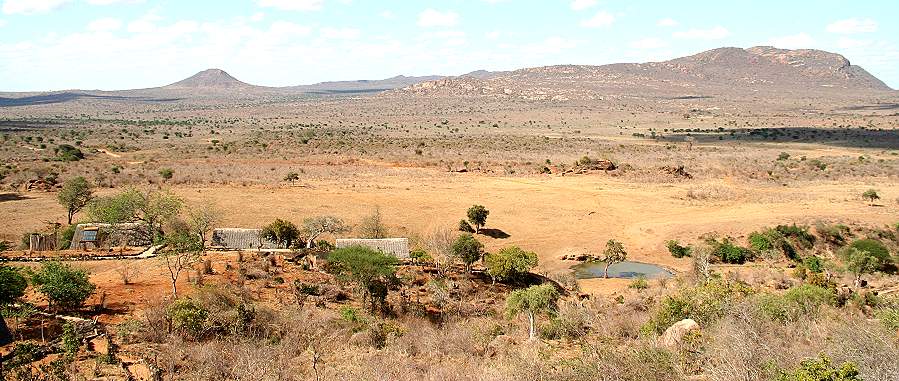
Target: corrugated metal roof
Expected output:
[398,247]
[239,239]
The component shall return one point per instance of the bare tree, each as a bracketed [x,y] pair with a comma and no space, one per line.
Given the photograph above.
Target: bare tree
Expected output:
[372,226]
[203,219]
[316,226]
[182,250]
[439,242]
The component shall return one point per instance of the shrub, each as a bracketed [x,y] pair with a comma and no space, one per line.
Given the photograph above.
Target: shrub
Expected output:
[370,270]
[821,369]
[12,284]
[833,234]
[509,263]
[873,247]
[760,241]
[639,283]
[727,252]
[64,287]
[814,264]
[188,317]
[464,226]
[704,303]
[799,234]
[797,303]
[66,152]
[677,250]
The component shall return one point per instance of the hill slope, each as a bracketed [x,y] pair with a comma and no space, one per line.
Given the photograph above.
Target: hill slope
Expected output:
[723,71]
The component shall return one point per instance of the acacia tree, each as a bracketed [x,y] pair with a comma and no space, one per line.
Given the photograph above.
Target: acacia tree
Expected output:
[203,219]
[317,226]
[12,287]
[182,249]
[292,177]
[371,270]
[469,249]
[871,195]
[284,233]
[532,301]
[614,253]
[75,194]
[477,215]
[510,262]
[372,226]
[153,208]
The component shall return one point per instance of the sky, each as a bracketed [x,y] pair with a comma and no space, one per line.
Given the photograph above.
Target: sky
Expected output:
[124,44]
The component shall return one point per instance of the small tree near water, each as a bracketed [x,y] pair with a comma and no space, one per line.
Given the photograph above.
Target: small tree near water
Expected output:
[614,253]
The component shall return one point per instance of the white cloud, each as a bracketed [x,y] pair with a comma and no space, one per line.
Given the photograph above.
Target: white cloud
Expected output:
[851,43]
[387,15]
[716,33]
[580,5]
[104,25]
[340,33]
[852,25]
[292,5]
[28,7]
[493,35]
[796,41]
[667,22]
[433,18]
[111,2]
[599,20]
[257,17]
[648,43]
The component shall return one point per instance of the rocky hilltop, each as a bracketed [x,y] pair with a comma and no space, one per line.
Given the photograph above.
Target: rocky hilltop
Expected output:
[724,71]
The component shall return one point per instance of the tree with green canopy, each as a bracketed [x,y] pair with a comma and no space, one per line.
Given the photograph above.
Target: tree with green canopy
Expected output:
[75,194]
[871,195]
[12,287]
[532,301]
[65,288]
[508,263]
[154,208]
[371,270]
[477,215]
[613,253]
[284,233]
[469,249]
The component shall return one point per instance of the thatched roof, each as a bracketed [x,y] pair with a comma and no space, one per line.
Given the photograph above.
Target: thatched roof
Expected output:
[398,247]
[130,231]
[239,239]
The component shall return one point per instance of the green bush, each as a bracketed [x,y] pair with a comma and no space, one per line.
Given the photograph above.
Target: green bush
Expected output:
[639,283]
[677,250]
[704,303]
[188,317]
[800,302]
[64,287]
[814,264]
[799,234]
[65,152]
[821,369]
[726,251]
[874,248]
[509,263]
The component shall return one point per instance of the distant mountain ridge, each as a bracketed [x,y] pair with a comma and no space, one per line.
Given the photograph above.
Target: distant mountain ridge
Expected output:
[757,71]
[762,70]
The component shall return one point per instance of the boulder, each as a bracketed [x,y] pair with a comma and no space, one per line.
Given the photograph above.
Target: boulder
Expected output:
[674,335]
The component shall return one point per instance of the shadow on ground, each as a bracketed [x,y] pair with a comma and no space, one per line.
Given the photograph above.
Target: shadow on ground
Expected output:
[494,233]
[71,96]
[855,137]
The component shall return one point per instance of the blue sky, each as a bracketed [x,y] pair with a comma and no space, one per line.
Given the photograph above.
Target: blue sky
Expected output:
[120,44]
